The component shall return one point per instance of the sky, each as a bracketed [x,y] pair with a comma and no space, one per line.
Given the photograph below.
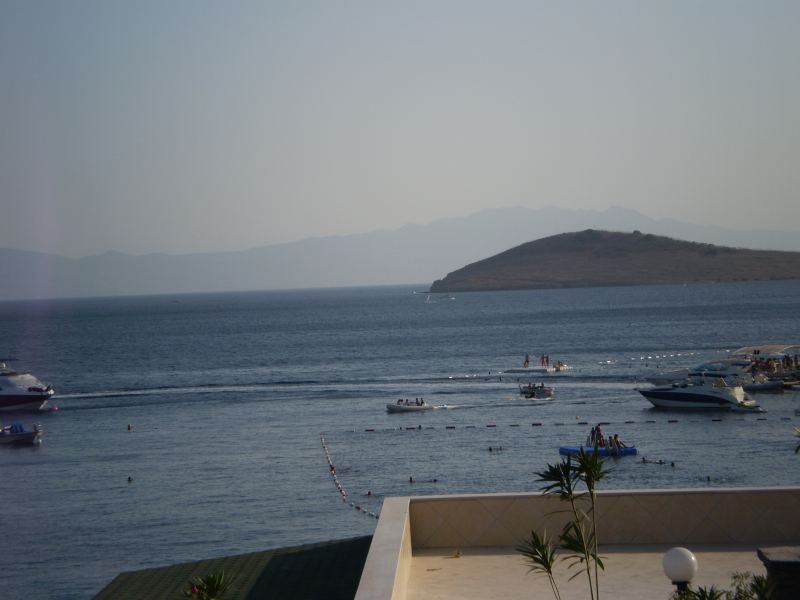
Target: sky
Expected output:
[192,126]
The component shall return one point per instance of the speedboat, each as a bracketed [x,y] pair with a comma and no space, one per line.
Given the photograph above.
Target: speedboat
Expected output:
[398,408]
[761,383]
[415,405]
[699,395]
[726,368]
[736,371]
[408,406]
[536,391]
[732,371]
[15,434]
[22,391]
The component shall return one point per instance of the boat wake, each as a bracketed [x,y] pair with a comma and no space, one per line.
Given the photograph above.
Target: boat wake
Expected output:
[161,391]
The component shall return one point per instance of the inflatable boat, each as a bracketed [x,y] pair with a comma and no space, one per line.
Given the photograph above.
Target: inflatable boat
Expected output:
[601,450]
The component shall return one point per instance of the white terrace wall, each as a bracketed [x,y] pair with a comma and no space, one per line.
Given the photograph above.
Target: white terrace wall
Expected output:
[746,516]
[721,516]
[386,570]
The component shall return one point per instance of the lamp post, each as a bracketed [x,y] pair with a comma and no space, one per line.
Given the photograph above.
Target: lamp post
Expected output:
[680,565]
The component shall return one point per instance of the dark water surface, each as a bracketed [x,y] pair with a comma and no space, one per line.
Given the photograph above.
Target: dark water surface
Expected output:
[228,395]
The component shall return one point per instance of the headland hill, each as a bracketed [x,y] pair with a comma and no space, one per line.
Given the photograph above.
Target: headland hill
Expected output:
[594,258]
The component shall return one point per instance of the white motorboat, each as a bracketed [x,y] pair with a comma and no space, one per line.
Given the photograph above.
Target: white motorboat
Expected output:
[733,371]
[536,391]
[398,408]
[699,395]
[402,406]
[22,391]
[757,382]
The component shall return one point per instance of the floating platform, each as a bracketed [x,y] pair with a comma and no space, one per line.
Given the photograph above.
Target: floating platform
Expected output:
[602,450]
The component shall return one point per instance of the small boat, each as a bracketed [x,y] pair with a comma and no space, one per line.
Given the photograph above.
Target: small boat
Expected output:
[398,408]
[699,396]
[22,391]
[734,371]
[402,406]
[536,391]
[750,381]
[775,386]
[600,450]
[15,434]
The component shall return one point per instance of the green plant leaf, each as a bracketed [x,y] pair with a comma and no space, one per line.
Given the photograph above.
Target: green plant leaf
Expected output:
[561,479]
[590,469]
[712,593]
[209,587]
[539,552]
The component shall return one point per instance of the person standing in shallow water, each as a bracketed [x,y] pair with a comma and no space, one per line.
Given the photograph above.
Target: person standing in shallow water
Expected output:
[597,438]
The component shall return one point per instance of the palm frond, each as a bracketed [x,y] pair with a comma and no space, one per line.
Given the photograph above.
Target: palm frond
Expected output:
[759,589]
[539,552]
[560,479]
[590,469]
[712,593]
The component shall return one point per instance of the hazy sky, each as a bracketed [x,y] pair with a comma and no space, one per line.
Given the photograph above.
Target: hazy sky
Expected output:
[185,126]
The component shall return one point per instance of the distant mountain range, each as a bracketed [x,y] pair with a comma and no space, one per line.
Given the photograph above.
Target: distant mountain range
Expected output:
[409,254]
[594,258]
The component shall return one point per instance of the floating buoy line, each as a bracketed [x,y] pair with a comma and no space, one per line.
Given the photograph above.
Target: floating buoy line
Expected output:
[662,355]
[339,486]
[577,421]
[650,356]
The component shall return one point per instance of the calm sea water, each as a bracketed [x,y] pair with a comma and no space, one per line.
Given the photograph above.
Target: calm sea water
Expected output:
[228,394]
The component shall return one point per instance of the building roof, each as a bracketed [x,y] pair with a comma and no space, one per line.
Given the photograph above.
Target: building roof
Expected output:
[768,349]
[329,570]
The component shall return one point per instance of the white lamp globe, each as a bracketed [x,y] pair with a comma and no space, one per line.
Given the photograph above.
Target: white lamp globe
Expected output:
[680,565]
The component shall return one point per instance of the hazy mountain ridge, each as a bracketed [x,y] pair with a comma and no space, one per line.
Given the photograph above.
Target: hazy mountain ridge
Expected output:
[605,258]
[409,254]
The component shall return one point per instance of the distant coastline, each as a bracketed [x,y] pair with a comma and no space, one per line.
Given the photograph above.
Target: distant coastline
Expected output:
[409,254]
[594,258]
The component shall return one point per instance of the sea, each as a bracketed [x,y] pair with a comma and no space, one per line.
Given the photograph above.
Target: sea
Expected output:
[196,426]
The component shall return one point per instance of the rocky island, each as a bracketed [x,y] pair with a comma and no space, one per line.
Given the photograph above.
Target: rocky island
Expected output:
[593,258]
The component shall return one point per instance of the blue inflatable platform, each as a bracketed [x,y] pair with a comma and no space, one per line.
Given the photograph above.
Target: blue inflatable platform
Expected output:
[602,451]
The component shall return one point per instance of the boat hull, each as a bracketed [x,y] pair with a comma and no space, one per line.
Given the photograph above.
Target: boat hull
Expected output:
[539,393]
[404,408]
[21,391]
[600,451]
[697,397]
[23,402]
[26,438]
[773,386]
